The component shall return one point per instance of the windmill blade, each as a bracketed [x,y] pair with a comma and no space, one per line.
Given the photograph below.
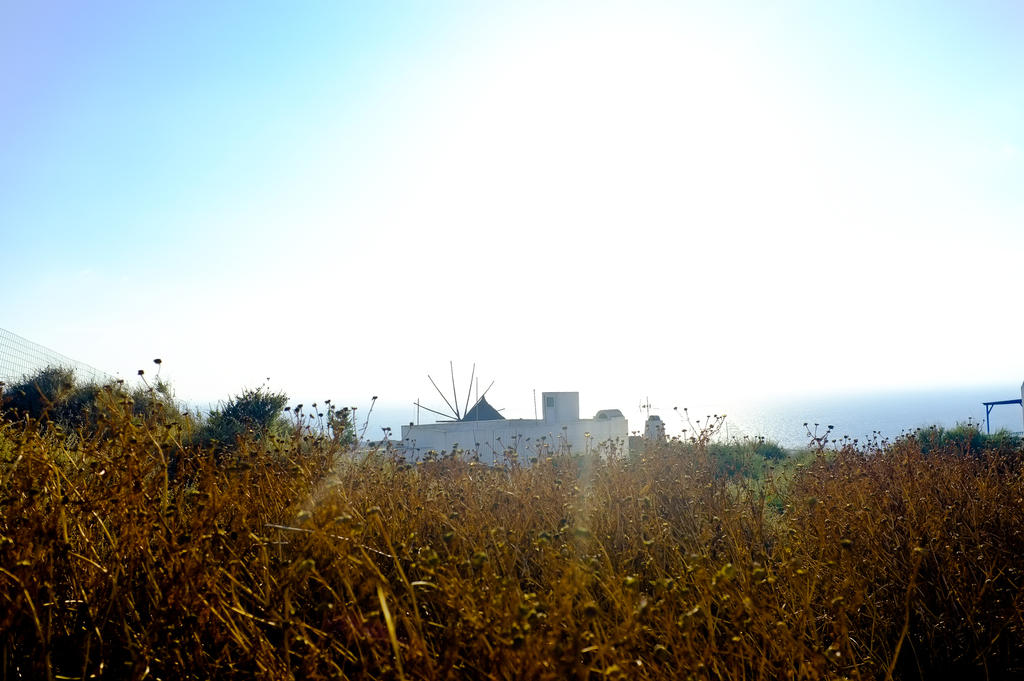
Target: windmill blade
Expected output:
[447,416]
[485,392]
[455,392]
[454,410]
[469,392]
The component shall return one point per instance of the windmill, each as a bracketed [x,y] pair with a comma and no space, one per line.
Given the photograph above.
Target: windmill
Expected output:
[455,413]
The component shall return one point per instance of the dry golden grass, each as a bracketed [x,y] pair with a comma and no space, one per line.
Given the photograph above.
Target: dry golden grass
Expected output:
[127,554]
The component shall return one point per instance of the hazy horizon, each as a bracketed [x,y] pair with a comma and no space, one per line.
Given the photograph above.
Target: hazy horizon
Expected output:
[856,415]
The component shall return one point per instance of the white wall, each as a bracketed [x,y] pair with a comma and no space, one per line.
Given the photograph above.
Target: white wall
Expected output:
[490,439]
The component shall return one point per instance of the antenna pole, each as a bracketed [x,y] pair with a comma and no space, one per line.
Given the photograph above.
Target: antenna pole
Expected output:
[646,406]
[534,404]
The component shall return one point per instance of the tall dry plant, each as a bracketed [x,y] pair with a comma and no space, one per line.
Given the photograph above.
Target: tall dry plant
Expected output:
[131,553]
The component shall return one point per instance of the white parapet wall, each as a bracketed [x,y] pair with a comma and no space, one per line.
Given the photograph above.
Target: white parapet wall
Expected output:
[561,430]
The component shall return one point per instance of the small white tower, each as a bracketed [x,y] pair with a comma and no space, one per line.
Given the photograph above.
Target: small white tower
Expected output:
[561,408]
[654,429]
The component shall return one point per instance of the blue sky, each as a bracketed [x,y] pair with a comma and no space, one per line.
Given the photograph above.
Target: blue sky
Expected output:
[677,200]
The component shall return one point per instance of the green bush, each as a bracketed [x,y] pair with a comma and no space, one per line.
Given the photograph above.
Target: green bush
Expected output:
[744,457]
[770,451]
[54,395]
[253,413]
[156,400]
[39,395]
[340,426]
[966,438]
[1003,440]
[81,408]
[734,459]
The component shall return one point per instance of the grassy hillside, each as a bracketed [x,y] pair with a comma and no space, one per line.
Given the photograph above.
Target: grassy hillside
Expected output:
[130,548]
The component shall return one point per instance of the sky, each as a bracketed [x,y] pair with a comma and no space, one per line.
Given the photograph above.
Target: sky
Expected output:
[638,200]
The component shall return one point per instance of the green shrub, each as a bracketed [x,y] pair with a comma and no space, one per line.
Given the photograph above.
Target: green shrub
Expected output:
[253,413]
[733,459]
[53,394]
[1002,440]
[966,438]
[81,408]
[744,457]
[156,400]
[39,395]
[769,450]
[340,426]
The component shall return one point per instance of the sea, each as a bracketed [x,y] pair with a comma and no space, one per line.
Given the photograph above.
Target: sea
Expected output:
[861,416]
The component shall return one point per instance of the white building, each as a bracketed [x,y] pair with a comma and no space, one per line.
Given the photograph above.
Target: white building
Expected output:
[485,433]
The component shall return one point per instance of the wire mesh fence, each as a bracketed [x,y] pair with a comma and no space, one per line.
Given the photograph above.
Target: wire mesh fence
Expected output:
[20,358]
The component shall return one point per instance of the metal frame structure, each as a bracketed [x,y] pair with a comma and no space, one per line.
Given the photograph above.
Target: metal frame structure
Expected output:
[988,410]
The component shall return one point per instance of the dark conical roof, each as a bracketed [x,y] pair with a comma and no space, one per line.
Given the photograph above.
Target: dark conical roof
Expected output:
[482,411]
